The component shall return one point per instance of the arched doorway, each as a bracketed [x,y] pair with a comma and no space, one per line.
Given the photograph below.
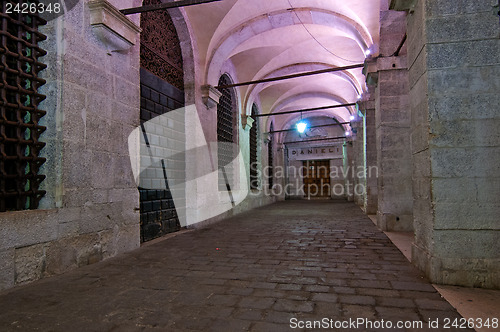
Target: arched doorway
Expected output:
[162,90]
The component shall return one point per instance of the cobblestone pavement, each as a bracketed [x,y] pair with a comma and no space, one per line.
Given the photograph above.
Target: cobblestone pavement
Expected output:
[306,260]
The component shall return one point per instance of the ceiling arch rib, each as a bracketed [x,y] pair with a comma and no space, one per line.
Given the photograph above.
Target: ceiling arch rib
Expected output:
[289,93]
[282,56]
[303,100]
[262,39]
[307,102]
[357,13]
[267,60]
[293,35]
[221,49]
[288,122]
[345,80]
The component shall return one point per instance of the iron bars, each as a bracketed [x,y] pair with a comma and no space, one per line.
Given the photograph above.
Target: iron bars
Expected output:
[166,5]
[20,130]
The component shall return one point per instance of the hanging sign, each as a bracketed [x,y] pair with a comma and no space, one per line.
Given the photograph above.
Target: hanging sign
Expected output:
[312,153]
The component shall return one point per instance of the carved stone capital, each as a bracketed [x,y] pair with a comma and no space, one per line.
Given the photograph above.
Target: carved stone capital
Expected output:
[113,28]
[403,5]
[247,122]
[210,96]
[370,70]
[266,137]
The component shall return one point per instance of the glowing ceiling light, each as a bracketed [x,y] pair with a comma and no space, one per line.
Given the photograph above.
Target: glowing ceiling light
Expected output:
[347,133]
[352,117]
[360,96]
[368,52]
[301,127]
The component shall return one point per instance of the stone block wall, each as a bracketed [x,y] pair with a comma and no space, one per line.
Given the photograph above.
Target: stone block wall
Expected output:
[370,201]
[366,155]
[159,212]
[89,212]
[357,158]
[337,180]
[394,160]
[395,204]
[454,66]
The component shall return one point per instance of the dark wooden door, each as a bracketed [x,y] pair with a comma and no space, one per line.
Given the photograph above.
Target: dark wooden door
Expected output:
[316,175]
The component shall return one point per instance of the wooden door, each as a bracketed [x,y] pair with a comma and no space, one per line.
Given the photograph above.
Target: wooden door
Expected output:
[316,175]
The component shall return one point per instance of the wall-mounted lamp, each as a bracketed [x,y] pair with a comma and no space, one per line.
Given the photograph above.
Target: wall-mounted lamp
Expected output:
[301,125]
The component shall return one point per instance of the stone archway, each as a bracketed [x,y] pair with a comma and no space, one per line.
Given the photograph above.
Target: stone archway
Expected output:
[162,90]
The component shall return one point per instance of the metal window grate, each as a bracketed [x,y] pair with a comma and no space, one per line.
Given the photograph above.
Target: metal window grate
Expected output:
[19,114]
[225,131]
[254,179]
[270,159]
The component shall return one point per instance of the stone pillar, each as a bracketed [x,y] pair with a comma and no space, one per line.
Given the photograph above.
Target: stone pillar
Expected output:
[454,67]
[350,162]
[392,122]
[358,156]
[368,152]
[394,160]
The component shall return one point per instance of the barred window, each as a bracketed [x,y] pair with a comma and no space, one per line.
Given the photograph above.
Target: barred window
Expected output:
[20,131]
[254,132]
[226,122]
[270,158]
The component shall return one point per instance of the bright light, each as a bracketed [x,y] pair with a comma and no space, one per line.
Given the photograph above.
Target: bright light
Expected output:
[359,97]
[352,117]
[301,127]
[368,52]
[347,133]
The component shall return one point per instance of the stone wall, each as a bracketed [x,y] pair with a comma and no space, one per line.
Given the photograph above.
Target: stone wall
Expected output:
[395,203]
[89,212]
[454,67]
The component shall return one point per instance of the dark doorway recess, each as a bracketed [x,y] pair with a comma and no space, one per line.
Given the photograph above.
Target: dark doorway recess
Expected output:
[316,175]
[162,90]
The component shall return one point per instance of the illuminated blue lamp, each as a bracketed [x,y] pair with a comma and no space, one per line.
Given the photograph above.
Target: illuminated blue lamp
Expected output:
[301,127]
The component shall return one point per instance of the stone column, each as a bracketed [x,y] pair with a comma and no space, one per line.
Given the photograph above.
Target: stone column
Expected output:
[358,156]
[394,160]
[368,153]
[350,162]
[454,67]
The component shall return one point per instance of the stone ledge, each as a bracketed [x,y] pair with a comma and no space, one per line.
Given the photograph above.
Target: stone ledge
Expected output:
[210,96]
[392,63]
[111,26]
[466,272]
[370,70]
[403,5]
[247,122]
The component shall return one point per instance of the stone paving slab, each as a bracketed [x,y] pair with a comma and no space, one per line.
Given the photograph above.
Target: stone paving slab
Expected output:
[299,260]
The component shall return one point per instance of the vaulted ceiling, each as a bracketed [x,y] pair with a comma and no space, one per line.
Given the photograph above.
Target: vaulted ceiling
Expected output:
[267,38]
